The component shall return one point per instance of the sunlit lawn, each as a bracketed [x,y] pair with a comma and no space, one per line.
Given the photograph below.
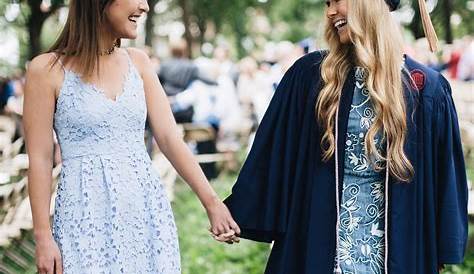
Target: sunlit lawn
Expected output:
[200,254]
[468,266]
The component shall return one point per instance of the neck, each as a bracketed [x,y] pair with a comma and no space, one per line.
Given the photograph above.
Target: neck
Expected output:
[106,42]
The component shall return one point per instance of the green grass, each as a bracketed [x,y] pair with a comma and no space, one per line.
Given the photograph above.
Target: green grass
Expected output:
[202,254]
[468,266]
[470,166]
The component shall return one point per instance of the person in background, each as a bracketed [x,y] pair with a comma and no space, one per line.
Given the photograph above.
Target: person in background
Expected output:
[177,74]
[7,90]
[465,70]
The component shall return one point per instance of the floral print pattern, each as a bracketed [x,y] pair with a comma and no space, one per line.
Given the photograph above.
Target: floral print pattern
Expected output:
[361,231]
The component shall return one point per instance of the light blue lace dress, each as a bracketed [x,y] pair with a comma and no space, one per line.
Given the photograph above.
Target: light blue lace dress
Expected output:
[362,222]
[111,212]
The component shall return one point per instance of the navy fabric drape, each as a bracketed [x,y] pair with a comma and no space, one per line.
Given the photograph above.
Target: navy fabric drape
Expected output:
[285,193]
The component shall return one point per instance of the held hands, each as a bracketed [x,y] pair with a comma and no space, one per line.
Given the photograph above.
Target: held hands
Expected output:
[48,257]
[223,227]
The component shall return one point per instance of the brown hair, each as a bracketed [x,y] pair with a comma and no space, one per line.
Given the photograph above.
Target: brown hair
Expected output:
[80,36]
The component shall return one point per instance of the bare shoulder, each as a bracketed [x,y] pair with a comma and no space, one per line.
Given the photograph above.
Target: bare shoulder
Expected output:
[43,71]
[139,58]
[137,53]
[43,63]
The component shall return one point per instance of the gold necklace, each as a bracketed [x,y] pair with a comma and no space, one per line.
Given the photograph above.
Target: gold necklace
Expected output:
[110,50]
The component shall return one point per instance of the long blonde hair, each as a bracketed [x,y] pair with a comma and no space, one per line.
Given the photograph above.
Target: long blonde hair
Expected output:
[376,45]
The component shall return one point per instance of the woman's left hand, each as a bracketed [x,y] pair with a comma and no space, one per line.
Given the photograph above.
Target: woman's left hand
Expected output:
[223,227]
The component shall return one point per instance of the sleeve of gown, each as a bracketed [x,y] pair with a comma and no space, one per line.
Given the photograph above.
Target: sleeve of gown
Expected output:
[452,184]
[260,198]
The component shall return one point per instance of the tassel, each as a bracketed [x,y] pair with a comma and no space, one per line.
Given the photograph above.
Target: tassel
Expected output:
[430,32]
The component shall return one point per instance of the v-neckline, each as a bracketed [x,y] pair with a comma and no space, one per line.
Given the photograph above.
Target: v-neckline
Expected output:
[101,91]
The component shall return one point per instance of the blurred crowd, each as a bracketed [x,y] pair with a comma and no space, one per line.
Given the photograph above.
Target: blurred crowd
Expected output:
[230,97]
[11,93]
[455,60]
[227,97]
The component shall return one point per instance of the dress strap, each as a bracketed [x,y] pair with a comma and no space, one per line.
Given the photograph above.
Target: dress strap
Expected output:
[131,64]
[128,57]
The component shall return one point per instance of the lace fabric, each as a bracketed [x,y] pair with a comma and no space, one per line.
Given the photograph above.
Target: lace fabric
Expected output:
[112,214]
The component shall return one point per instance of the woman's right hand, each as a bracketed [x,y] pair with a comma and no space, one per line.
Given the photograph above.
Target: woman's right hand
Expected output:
[48,257]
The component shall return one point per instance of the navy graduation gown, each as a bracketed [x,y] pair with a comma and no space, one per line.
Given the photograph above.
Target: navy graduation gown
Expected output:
[285,193]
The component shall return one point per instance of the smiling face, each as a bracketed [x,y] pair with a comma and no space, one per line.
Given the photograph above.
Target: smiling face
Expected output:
[336,12]
[122,15]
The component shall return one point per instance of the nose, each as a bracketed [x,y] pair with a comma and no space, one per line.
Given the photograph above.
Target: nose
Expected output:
[331,10]
[144,6]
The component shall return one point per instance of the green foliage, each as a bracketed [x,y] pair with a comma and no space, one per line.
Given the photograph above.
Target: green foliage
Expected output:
[301,17]
[224,15]
[290,20]
[441,20]
[459,8]
[18,26]
[51,30]
[202,254]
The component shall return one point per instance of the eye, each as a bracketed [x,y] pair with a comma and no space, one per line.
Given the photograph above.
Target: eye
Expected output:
[328,3]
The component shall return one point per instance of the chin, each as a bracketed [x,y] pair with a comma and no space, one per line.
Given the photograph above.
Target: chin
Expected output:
[129,35]
[344,40]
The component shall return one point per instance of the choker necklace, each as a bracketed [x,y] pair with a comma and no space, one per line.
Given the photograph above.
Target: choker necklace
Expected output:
[110,50]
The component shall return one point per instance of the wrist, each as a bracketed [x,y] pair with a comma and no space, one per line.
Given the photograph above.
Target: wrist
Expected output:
[210,201]
[43,235]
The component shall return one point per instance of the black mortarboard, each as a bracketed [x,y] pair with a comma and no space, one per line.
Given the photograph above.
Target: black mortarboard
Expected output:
[393,4]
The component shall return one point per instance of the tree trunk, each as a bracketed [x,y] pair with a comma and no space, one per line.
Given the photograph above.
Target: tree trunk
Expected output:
[238,26]
[187,22]
[34,31]
[35,24]
[202,24]
[416,27]
[150,23]
[447,12]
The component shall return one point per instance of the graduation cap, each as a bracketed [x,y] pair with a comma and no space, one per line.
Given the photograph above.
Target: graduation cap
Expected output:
[393,4]
[428,28]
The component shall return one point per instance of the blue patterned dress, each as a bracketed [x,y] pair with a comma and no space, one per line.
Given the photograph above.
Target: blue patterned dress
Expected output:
[361,231]
[111,212]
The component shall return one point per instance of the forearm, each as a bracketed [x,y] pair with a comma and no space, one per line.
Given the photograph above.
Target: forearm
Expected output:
[39,188]
[185,164]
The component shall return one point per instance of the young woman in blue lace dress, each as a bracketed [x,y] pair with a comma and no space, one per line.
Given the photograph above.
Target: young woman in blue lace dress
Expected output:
[111,214]
[357,166]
